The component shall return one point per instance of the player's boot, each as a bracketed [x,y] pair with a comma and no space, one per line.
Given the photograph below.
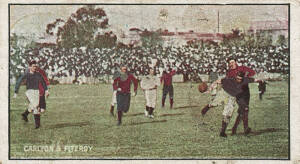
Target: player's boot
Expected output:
[151,112]
[171,103]
[236,124]
[24,115]
[247,130]
[37,121]
[147,111]
[223,129]
[119,118]
[112,110]
[205,109]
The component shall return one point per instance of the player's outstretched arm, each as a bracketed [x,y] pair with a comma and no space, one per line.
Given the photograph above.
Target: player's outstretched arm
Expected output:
[248,71]
[18,84]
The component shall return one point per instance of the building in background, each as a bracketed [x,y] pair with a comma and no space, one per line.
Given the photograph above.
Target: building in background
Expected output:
[275,28]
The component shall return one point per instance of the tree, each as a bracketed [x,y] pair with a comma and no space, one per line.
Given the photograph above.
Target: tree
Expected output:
[15,55]
[281,40]
[233,38]
[106,40]
[151,38]
[87,27]
[19,48]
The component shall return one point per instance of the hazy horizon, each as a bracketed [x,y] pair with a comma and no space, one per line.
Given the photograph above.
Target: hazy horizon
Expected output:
[33,19]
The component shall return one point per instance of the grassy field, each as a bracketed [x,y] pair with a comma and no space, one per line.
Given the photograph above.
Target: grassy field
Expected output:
[78,115]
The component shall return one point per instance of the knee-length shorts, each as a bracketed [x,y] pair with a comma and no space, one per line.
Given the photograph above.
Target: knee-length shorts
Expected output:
[150,96]
[33,97]
[229,102]
[123,101]
[168,89]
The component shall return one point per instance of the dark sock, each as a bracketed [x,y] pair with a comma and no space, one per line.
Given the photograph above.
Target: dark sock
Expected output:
[37,120]
[26,112]
[151,110]
[205,109]
[171,103]
[24,115]
[223,129]
[112,110]
[236,124]
[163,102]
[119,117]
[245,121]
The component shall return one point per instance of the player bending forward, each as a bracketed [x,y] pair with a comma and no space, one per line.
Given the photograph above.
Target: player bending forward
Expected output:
[232,93]
[223,97]
[149,85]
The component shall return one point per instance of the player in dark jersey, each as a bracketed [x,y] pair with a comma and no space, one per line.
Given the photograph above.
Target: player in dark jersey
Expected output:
[167,86]
[33,79]
[122,86]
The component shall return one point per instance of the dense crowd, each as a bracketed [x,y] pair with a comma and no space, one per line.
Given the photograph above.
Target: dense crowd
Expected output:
[189,61]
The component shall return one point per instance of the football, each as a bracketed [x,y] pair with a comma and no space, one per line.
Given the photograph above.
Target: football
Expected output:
[202,87]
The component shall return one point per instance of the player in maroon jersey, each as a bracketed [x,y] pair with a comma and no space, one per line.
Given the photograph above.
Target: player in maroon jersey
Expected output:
[167,86]
[233,72]
[122,86]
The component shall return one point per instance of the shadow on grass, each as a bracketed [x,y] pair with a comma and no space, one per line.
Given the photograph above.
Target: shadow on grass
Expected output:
[12,110]
[272,97]
[147,122]
[262,131]
[183,107]
[170,114]
[63,125]
[133,114]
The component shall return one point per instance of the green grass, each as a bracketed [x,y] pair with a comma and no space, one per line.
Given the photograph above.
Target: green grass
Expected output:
[79,115]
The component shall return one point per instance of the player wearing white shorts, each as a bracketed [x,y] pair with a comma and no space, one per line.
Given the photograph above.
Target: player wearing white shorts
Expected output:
[149,85]
[33,78]
[229,96]
[223,97]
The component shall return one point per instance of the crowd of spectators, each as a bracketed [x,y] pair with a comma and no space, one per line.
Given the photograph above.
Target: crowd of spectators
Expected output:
[187,60]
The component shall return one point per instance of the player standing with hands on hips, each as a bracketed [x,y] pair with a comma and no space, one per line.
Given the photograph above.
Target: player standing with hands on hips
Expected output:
[122,86]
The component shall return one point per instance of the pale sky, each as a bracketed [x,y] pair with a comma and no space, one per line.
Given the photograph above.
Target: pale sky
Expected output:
[34,18]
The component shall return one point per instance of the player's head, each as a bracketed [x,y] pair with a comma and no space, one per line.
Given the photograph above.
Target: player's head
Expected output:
[168,69]
[239,77]
[32,66]
[232,63]
[152,71]
[123,68]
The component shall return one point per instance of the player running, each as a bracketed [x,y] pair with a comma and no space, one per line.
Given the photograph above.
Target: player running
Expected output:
[122,86]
